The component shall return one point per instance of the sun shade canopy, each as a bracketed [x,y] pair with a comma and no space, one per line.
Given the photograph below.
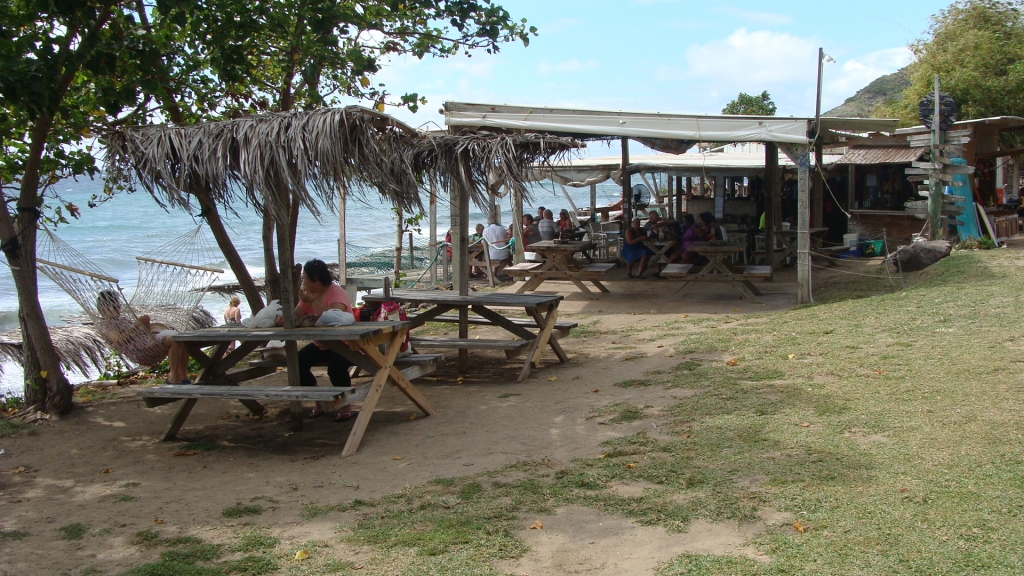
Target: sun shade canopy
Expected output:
[697,128]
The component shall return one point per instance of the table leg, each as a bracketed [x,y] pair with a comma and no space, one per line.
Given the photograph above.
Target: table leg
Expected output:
[553,341]
[745,288]
[600,286]
[530,285]
[376,387]
[179,419]
[292,351]
[403,383]
[583,288]
[545,335]
[683,287]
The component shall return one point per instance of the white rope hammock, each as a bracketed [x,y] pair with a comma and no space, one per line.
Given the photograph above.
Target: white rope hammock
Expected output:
[172,281]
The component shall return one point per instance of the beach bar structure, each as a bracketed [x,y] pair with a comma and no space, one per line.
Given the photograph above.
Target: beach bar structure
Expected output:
[798,138]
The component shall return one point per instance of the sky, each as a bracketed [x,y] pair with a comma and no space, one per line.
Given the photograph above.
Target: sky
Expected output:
[673,55]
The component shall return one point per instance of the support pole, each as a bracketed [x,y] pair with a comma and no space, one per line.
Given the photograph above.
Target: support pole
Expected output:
[818,190]
[934,184]
[803,246]
[771,192]
[851,187]
[679,196]
[593,202]
[627,196]
[460,193]
[342,242]
[432,244]
[670,184]
[517,225]
[286,259]
[398,247]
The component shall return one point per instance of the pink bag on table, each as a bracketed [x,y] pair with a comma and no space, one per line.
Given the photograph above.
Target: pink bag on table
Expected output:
[391,312]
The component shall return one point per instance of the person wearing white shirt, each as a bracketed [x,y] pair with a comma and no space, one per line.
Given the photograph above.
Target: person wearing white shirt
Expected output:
[497,238]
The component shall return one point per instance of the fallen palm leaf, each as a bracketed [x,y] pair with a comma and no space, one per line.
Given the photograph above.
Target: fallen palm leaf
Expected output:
[537,525]
[302,554]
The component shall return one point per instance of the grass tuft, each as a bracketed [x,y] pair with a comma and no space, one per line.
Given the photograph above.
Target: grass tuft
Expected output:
[11,427]
[145,538]
[251,565]
[74,531]
[241,510]
[254,540]
[13,534]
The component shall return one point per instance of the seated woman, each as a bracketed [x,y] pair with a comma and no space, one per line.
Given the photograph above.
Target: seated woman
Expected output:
[318,294]
[634,250]
[135,339]
[690,232]
[564,222]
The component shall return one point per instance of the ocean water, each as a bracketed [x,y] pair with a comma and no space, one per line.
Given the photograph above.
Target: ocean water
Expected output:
[128,225]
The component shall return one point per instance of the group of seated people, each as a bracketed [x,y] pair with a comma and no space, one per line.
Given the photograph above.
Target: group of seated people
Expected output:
[499,239]
[682,235]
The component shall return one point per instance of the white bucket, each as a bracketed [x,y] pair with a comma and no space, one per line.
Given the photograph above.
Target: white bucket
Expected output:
[851,240]
[785,225]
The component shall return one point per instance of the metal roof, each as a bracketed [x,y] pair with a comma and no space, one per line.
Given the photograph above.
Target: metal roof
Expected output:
[881,155]
[611,123]
[1003,123]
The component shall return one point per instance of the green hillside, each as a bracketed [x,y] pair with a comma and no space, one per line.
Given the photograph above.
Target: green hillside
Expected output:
[882,89]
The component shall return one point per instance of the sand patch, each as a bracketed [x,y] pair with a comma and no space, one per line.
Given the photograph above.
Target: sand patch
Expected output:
[584,541]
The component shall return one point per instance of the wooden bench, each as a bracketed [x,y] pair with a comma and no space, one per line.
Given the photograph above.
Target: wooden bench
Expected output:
[763,273]
[562,328]
[512,348]
[521,270]
[411,365]
[596,270]
[167,393]
[673,271]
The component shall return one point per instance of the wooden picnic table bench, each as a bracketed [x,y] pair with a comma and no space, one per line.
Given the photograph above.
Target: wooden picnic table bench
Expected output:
[358,343]
[562,327]
[560,264]
[718,270]
[542,308]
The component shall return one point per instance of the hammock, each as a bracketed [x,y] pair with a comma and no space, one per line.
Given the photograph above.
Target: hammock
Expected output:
[172,280]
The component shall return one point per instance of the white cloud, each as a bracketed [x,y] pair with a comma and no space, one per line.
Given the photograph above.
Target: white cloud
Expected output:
[754,58]
[759,18]
[566,67]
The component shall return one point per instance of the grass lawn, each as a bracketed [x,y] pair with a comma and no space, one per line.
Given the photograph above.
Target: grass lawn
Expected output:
[889,426]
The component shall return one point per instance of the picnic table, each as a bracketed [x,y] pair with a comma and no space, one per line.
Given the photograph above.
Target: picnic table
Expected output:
[718,270]
[542,308]
[358,343]
[788,239]
[659,250]
[560,263]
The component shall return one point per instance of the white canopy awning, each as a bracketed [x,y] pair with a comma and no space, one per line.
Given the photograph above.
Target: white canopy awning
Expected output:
[698,128]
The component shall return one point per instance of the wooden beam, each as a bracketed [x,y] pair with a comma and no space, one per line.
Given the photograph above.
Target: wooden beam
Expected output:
[679,196]
[771,194]
[803,247]
[627,197]
[517,226]
[818,189]
[432,244]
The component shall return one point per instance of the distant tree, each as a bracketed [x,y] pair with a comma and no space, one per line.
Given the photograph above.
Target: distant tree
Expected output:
[977,49]
[747,105]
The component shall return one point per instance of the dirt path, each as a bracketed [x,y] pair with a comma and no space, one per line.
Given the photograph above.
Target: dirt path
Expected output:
[103,467]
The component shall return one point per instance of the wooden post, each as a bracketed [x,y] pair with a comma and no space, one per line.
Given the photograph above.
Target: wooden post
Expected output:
[342,241]
[719,198]
[771,192]
[398,247]
[818,190]
[517,225]
[803,236]
[670,184]
[679,196]
[935,185]
[627,195]
[460,241]
[432,244]
[286,259]
[593,202]
[851,187]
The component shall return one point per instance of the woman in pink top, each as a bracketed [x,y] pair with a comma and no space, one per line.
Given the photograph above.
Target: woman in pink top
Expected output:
[318,294]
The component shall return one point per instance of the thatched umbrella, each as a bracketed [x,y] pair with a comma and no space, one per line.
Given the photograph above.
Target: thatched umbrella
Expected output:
[78,347]
[276,162]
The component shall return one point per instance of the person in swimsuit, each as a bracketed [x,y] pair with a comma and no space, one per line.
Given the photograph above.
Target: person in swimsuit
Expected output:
[634,250]
[233,316]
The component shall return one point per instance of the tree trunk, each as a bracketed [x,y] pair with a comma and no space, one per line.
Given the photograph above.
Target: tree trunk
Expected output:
[272,282]
[44,379]
[220,233]
[35,387]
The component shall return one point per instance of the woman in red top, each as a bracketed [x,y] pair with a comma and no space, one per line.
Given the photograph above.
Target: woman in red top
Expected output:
[564,223]
[318,294]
